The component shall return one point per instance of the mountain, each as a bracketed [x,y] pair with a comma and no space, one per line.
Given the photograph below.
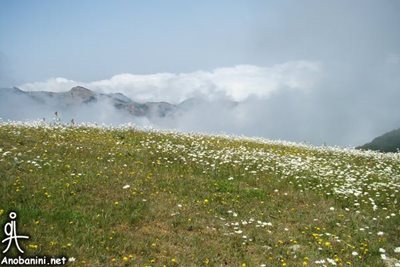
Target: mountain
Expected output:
[76,96]
[78,102]
[388,142]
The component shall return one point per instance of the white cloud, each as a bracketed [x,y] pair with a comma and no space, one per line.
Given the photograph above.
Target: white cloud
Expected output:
[52,85]
[237,83]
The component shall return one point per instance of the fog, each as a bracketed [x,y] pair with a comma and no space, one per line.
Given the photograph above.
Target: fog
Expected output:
[21,107]
[297,101]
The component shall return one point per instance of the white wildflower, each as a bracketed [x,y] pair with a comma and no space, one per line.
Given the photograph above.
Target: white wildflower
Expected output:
[331,261]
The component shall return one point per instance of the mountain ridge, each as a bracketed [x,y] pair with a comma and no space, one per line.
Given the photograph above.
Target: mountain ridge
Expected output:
[387,142]
[79,95]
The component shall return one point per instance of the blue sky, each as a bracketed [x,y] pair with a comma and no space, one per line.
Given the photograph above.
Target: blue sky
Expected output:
[88,40]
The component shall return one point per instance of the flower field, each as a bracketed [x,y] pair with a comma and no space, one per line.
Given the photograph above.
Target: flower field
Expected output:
[127,197]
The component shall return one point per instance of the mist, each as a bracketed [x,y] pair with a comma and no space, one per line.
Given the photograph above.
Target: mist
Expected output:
[343,108]
[296,101]
[20,107]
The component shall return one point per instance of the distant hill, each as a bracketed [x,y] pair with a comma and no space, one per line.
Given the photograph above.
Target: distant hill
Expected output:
[84,105]
[16,104]
[388,142]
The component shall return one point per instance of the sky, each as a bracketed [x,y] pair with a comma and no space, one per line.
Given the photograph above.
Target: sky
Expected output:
[92,40]
[319,71]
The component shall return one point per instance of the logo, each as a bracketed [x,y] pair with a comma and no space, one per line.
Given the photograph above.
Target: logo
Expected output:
[10,231]
[12,239]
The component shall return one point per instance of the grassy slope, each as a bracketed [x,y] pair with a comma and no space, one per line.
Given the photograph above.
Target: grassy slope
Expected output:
[286,205]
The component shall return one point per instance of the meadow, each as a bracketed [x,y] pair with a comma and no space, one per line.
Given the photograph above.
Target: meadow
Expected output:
[128,197]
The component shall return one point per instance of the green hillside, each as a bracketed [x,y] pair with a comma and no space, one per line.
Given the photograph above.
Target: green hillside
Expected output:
[123,197]
[388,142]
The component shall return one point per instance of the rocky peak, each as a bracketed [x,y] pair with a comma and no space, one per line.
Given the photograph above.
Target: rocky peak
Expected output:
[80,90]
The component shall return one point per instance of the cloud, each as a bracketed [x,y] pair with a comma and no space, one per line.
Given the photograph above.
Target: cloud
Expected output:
[338,103]
[237,83]
[52,85]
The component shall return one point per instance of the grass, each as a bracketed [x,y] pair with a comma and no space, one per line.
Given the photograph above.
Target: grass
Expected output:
[123,197]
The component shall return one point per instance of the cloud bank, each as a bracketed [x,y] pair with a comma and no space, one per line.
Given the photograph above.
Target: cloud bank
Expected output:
[346,103]
[237,83]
